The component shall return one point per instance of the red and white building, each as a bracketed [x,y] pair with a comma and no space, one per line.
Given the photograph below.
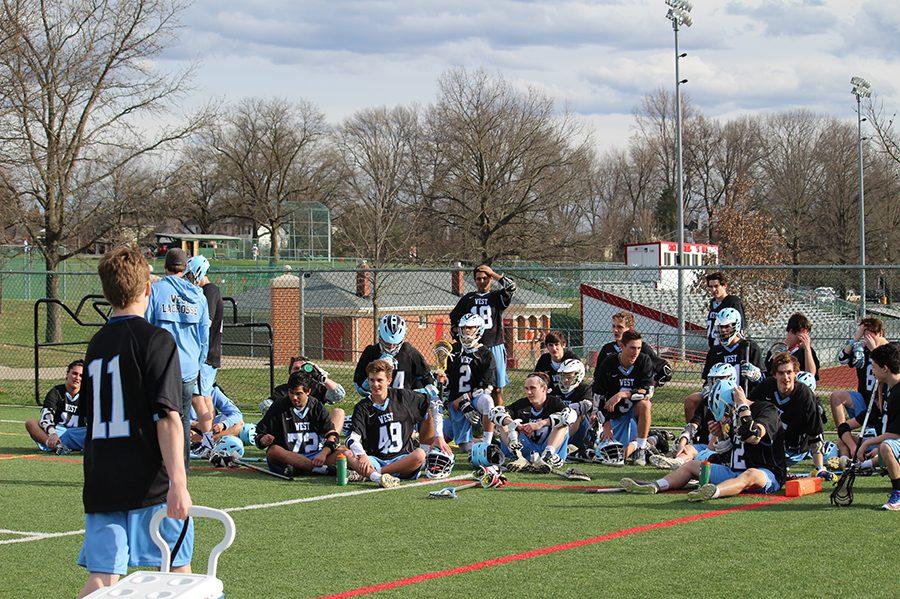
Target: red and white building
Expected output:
[665,253]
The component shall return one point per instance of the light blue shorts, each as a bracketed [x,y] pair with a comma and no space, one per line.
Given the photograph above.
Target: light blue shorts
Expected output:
[73,438]
[529,447]
[624,428]
[894,444]
[205,380]
[719,474]
[378,464]
[859,406]
[457,426]
[116,541]
[499,352]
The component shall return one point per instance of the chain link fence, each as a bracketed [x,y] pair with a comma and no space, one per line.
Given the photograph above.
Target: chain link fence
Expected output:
[330,315]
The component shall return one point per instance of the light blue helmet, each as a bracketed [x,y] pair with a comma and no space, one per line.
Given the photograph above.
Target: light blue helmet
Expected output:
[248,434]
[229,445]
[721,397]
[197,267]
[808,379]
[722,372]
[485,454]
[391,333]
[728,317]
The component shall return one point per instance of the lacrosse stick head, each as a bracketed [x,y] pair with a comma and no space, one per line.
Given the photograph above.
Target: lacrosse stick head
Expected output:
[492,478]
[842,495]
[442,351]
[445,493]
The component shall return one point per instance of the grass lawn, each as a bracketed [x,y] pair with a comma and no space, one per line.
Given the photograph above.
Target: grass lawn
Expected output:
[786,548]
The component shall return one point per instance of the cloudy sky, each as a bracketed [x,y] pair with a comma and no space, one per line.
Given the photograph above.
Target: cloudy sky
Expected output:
[597,58]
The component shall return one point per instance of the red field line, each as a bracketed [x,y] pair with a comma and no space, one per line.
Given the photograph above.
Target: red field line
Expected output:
[515,557]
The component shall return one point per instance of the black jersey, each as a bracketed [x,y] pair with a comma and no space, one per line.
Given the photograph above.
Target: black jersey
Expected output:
[799,411]
[613,378]
[521,409]
[132,377]
[614,349]
[729,301]
[579,393]
[768,453]
[744,350]
[546,364]
[216,310]
[890,421]
[412,371]
[490,307]
[300,431]
[281,392]
[799,353]
[469,369]
[865,379]
[59,409]
[386,432]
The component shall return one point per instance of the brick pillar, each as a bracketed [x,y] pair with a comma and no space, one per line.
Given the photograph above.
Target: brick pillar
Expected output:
[284,295]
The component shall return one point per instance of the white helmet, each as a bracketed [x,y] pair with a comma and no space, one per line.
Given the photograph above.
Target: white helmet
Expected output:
[438,464]
[391,333]
[571,374]
[730,320]
[808,379]
[609,453]
[471,320]
[722,372]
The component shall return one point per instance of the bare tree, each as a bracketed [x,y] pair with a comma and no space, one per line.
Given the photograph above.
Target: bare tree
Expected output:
[273,154]
[498,162]
[74,77]
[197,190]
[378,211]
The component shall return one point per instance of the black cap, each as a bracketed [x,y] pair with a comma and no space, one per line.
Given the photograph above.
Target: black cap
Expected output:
[176,260]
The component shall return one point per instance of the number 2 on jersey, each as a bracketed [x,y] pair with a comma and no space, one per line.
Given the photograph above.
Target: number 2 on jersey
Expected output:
[117,426]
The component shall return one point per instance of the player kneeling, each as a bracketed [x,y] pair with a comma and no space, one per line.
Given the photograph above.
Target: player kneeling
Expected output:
[749,452]
[538,426]
[382,426]
[297,431]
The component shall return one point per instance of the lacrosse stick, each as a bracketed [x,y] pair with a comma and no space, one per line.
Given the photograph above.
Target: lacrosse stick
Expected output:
[239,462]
[450,492]
[571,474]
[842,495]
[442,351]
[607,490]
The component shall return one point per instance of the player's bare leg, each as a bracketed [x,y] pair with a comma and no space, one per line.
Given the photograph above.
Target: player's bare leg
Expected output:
[406,465]
[840,401]
[203,406]
[37,433]
[674,480]
[338,416]
[691,402]
[282,456]
[748,479]
[97,580]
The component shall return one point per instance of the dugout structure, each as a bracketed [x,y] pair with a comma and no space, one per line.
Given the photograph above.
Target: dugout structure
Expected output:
[92,312]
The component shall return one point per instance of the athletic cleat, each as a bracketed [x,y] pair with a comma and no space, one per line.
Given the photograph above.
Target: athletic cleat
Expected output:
[664,462]
[893,502]
[520,464]
[389,482]
[838,463]
[704,493]
[632,486]
[61,449]
[354,477]
[638,457]
[201,454]
[548,465]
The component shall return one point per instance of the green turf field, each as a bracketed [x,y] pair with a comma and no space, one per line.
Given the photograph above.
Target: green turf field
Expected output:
[796,547]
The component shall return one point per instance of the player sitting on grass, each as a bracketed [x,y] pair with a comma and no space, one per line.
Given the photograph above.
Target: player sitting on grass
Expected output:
[382,426]
[469,380]
[886,368]
[749,454]
[297,432]
[798,408]
[411,371]
[849,407]
[58,428]
[227,420]
[573,390]
[327,390]
[552,359]
[535,429]
[133,454]
[733,349]
[622,393]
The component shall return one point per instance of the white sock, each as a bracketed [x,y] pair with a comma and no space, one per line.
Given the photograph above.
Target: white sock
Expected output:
[662,484]
[320,470]
[716,493]
[866,464]
[207,439]
[640,443]
[549,452]
[488,437]
[375,477]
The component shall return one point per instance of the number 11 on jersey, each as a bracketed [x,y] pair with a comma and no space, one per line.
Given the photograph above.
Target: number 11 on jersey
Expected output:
[117,426]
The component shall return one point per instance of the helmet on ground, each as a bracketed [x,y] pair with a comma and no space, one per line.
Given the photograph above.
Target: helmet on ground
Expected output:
[230,446]
[391,333]
[571,374]
[248,434]
[610,453]
[470,340]
[485,454]
[438,464]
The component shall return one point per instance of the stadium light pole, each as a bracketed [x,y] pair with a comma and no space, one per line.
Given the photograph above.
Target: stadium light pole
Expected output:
[679,14]
[861,89]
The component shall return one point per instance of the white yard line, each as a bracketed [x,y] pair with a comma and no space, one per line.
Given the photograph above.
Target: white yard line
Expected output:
[40,536]
[13,421]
